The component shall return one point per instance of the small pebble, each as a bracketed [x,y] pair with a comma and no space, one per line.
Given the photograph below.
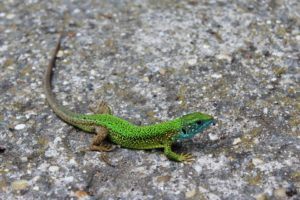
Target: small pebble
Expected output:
[270,87]
[217,76]
[10,16]
[24,159]
[81,194]
[146,79]
[257,161]
[274,79]
[19,185]
[20,126]
[72,162]
[36,188]
[190,194]
[53,168]
[69,179]
[262,196]
[93,72]
[60,54]
[280,193]
[198,168]
[3,48]
[51,153]
[224,57]
[205,46]
[192,61]
[213,137]
[162,71]
[236,141]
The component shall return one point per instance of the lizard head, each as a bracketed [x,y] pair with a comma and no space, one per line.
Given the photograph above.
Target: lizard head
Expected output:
[192,124]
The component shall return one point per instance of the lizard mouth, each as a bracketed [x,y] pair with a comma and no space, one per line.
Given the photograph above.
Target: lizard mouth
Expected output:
[207,124]
[191,130]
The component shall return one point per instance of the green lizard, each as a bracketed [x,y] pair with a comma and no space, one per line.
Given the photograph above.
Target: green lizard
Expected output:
[124,133]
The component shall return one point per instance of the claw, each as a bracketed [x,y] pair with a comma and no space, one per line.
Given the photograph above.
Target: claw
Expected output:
[187,157]
[102,147]
[108,147]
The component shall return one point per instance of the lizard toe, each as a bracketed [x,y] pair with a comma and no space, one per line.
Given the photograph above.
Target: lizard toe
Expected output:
[187,158]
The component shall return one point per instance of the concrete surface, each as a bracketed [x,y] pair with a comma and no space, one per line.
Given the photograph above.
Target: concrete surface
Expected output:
[152,60]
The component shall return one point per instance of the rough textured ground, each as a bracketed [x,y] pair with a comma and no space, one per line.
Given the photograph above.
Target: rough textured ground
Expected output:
[152,60]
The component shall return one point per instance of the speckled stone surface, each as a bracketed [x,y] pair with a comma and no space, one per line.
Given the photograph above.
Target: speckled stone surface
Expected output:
[152,61]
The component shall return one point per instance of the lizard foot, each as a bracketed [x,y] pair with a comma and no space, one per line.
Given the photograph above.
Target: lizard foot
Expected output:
[102,147]
[102,108]
[187,158]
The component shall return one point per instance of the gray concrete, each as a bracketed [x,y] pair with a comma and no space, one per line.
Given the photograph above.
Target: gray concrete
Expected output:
[152,60]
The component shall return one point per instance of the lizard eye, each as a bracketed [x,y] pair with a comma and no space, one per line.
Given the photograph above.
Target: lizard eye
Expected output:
[184,131]
[199,122]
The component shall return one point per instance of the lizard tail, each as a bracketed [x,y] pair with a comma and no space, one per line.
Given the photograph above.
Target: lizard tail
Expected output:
[64,113]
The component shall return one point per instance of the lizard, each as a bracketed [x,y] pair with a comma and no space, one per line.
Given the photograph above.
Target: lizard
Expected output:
[125,134]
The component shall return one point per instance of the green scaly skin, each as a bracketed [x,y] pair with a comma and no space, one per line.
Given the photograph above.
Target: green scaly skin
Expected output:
[126,134]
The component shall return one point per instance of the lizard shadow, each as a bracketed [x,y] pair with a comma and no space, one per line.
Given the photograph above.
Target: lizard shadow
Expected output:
[203,144]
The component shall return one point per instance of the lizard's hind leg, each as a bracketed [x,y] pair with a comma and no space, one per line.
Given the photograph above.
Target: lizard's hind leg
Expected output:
[98,141]
[102,108]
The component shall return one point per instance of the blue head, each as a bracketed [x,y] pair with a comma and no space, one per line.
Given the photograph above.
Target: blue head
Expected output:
[192,124]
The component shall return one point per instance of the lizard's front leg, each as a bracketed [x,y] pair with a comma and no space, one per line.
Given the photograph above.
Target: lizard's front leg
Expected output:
[97,144]
[175,156]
